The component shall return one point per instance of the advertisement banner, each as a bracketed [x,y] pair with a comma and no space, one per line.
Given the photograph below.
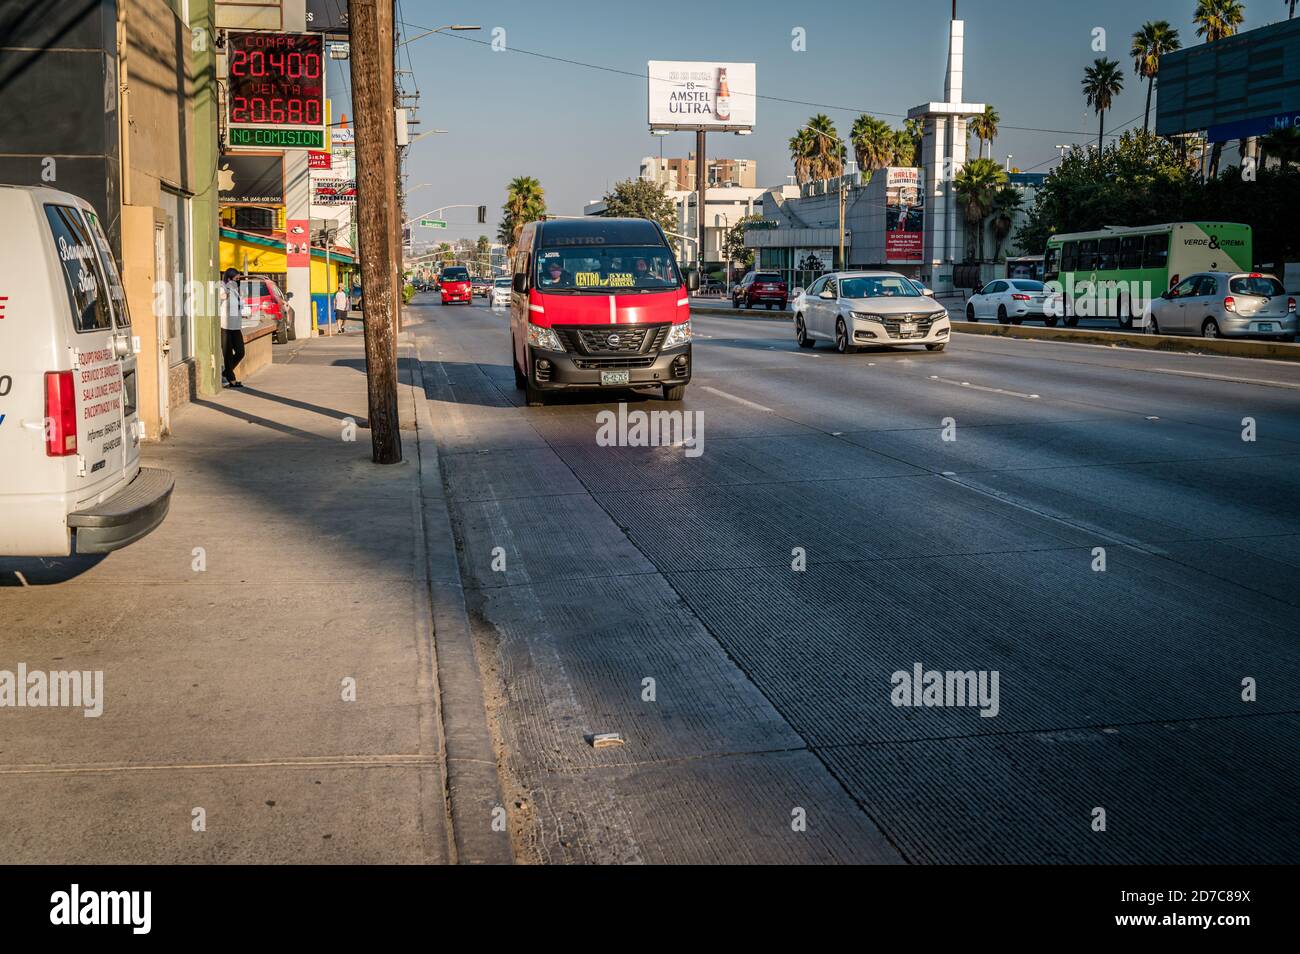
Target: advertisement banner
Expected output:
[903,215]
[815,260]
[319,160]
[297,243]
[333,191]
[328,16]
[687,95]
[247,179]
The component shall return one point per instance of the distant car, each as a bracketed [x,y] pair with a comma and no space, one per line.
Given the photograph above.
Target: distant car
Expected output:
[712,286]
[762,288]
[267,302]
[857,309]
[502,289]
[1224,304]
[481,286]
[1012,300]
[456,285]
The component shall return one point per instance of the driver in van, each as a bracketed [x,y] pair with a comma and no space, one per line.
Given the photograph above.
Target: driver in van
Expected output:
[554,275]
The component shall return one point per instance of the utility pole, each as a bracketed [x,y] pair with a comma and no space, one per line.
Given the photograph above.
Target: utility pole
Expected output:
[843,264]
[701,185]
[379,220]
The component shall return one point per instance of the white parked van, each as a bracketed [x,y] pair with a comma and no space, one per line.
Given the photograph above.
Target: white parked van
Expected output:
[70,474]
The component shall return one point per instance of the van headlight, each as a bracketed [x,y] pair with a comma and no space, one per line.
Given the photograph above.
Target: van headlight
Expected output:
[679,334]
[544,338]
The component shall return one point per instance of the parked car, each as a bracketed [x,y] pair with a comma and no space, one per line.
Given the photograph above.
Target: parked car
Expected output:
[580,320]
[501,291]
[455,284]
[1224,304]
[762,288]
[69,429]
[1012,300]
[856,309]
[266,301]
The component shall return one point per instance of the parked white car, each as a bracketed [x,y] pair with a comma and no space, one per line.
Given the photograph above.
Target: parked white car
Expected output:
[501,291]
[864,309]
[1013,300]
[1224,304]
[69,432]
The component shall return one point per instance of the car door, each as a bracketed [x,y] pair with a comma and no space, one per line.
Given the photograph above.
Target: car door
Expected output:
[812,307]
[1204,305]
[1169,317]
[828,308]
[991,294]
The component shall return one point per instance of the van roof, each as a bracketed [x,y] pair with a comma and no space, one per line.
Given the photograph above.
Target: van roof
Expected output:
[42,194]
[613,231]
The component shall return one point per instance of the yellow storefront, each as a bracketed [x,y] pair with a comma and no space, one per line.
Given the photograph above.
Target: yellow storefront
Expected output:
[254,254]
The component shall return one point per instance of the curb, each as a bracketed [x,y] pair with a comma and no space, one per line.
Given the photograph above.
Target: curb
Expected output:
[473,786]
[1219,346]
[744,313]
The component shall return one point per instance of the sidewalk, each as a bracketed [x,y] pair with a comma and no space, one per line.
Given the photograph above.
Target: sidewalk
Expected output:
[289,568]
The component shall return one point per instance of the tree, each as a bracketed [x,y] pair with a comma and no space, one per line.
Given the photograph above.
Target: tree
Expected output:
[977,183]
[642,199]
[1102,82]
[985,128]
[1154,40]
[1006,203]
[1216,19]
[525,202]
[801,148]
[817,151]
[733,243]
[1282,143]
[873,143]
[905,149]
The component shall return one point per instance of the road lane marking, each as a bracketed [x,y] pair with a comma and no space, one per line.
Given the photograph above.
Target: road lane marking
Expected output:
[738,400]
[1262,382]
[980,387]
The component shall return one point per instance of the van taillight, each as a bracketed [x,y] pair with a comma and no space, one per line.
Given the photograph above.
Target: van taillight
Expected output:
[60,414]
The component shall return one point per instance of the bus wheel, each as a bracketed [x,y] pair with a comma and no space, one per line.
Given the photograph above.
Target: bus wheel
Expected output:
[1050,321]
[1126,322]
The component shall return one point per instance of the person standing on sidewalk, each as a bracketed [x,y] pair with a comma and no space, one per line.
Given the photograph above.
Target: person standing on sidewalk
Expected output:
[232,326]
[341,309]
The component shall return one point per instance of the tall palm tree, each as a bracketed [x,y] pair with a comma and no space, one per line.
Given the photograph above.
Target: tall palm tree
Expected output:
[1102,82]
[828,151]
[1283,143]
[801,149]
[985,128]
[905,148]
[525,202]
[1216,19]
[1006,203]
[977,183]
[873,143]
[1154,40]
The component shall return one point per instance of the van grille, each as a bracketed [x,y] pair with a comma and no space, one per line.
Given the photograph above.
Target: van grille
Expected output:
[611,340]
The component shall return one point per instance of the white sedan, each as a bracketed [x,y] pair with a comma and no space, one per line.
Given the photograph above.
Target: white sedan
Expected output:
[1012,300]
[501,291]
[864,309]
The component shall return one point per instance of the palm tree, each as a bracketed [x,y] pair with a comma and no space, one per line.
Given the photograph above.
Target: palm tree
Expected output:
[905,148]
[985,128]
[1282,143]
[1154,40]
[801,149]
[1102,82]
[1006,203]
[873,143]
[525,202]
[977,183]
[828,151]
[1216,19]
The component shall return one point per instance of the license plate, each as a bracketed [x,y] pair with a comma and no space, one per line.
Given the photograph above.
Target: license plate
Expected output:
[907,328]
[611,378]
[1266,326]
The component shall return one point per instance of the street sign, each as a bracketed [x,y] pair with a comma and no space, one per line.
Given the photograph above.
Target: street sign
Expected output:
[432,224]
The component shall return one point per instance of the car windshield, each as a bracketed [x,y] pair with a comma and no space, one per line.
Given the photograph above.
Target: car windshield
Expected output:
[886,286]
[1023,285]
[1260,285]
[456,275]
[502,283]
[601,268]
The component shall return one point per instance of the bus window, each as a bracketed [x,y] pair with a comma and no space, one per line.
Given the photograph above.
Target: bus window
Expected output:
[1108,254]
[1069,256]
[1050,270]
[1156,254]
[1130,251]
[1087,256]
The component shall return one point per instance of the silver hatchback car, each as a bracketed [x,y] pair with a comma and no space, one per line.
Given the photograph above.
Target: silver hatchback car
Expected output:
[1224,304]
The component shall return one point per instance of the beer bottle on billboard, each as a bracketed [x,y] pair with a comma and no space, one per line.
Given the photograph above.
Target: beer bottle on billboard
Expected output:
[723,101]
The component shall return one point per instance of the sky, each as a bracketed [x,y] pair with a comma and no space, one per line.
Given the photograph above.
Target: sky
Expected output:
[580,130]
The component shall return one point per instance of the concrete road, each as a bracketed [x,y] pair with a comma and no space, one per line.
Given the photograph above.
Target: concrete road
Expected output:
[1113,536]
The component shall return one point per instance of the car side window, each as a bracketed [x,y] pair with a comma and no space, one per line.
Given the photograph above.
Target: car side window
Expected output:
[1184,288]
[995,288]
[817,286]
[1209,286]
[833,288]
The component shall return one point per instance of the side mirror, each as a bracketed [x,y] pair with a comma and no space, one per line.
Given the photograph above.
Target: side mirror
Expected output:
[520,283]
[693,280]
[928,291]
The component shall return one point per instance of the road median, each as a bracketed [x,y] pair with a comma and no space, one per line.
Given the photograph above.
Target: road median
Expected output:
[1279,351]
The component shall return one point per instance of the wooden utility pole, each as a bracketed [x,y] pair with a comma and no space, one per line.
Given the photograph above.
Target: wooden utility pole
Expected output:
[376,149]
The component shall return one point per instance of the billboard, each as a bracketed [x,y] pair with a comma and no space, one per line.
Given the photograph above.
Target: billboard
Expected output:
[275,94]
[903,215]
[686,95]
[247,179]
[328,16]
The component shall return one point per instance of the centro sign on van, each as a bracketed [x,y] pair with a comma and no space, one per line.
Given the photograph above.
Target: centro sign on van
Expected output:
[722,96]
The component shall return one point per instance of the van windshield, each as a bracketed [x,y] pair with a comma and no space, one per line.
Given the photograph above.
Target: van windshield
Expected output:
[601,268]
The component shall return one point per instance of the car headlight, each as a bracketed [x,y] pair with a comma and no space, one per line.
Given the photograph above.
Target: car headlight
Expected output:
[544,338]
[867,315]
[679,334]
[936,315]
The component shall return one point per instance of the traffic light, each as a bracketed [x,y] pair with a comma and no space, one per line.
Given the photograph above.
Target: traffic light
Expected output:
[482,213]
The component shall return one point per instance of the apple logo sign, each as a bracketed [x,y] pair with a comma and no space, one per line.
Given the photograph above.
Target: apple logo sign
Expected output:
[225,179]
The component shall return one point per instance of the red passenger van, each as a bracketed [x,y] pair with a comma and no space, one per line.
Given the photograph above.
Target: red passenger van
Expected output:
[599,303]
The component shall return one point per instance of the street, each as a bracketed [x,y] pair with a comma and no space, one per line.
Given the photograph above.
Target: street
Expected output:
[949,507]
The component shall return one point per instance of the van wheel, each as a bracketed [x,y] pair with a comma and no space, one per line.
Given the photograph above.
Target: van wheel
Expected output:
[674,392]
[1050,321]
[1126,322]
[521,382]
[533,396]
[1002,315]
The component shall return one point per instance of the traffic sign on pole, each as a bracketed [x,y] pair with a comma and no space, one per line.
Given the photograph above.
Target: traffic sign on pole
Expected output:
[433,224]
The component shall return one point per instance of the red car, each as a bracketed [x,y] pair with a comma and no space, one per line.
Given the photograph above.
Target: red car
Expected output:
[763,288]
[266,301]
[455,284]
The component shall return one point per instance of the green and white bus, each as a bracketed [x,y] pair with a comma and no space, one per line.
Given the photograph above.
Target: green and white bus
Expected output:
[1115,272]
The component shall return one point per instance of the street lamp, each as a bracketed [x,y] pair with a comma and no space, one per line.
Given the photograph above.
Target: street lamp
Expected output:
[453,26]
